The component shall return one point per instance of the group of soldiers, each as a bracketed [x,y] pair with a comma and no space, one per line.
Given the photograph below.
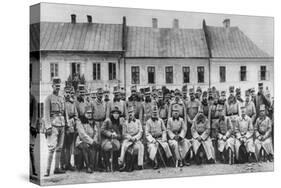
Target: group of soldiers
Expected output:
[154,127]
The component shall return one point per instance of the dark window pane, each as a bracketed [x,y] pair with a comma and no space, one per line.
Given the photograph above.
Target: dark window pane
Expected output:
[151,75]
[186,73]
[135,75]
[222,74]
[200,74]
[263,73]
[169,75]
[243,73]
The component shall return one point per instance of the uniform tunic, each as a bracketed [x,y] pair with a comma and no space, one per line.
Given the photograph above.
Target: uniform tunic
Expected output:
[121,106]
[213,117]
[155,132]
[138,108]
[192,108]
[132,130]
[244,129]
[72,114]
[251,110]
[107,129]
[232,111]
[178,127]
[87,134]
[146,112]
[263,127]
[202,129]
[163,113]
[225,129]
[54,118]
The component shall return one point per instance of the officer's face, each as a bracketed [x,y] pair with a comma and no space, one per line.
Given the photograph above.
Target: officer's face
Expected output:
[131,114]
[243,111]
[260,89]
[115,115]
[231,94]
[56,87]
[88,115]
[99,96]
[175,114]
[262,113]
[247,98]
[192,96]
[177,97]
[117,96]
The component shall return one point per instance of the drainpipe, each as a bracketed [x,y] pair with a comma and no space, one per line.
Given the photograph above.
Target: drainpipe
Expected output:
[124,48]
[209,49]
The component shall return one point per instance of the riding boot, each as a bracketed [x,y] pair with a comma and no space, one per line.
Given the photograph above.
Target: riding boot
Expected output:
[50,159]
[58,170]
[32,162]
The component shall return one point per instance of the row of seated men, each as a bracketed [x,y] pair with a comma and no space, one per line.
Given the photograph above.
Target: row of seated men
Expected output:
[170,131]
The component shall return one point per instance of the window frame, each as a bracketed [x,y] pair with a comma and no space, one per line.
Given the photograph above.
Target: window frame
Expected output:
[243,72]
[200,70]
[54,68]
[222,75]
[135,79]
[183,74]
[167,72]
[112,71]
[96,71]
[153,72]
[263,78]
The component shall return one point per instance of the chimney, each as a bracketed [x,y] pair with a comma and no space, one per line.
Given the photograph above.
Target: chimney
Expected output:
[154,23]
[73,18]
[89,18]
[226,23]
[175,23]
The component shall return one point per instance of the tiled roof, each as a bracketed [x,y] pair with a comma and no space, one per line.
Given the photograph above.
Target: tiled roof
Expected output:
[232,43]
[165,42]
[76,37]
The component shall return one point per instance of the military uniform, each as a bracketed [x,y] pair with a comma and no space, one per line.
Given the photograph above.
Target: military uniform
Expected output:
[177,127]
[244,130]
[202,129]
[55,125]
[33,118]
[132,129]
[263,128]
[155,132]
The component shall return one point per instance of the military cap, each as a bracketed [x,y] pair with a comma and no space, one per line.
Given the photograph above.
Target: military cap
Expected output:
[153,88]
[116,90]
[67,89]
[130,109]
[198,89]
[231,89]
[260,85]
[133,88]
[220,107]
[177,92]
[155,111]
[88,108]
[238,90]
[214,88]
[56,81]
[262,107]
[142,90]
[191,91]
[223,93]
[205,94]
[100,91]
[147,90]
[115,109]
[253,90]
[184,89]
[176,107]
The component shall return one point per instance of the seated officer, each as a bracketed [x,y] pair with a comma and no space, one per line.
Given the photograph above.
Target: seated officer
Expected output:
[87,142]
[110,135]
[225,137]
[132,133]
[244,144]
[202,143]
[156,136]
[176,129]
[263,140]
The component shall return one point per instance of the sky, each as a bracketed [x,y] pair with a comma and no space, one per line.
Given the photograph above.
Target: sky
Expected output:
[259,29]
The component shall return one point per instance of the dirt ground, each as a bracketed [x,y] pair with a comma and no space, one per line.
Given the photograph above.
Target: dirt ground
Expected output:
[193,170]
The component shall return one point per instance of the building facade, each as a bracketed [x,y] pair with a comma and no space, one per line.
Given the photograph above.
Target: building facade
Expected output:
[107,55]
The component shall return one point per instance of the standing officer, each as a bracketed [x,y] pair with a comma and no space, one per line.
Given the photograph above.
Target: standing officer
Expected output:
[72,117]
[179,104]
[33,114]
[135,103]
[55,126]
[146,109]
[156,136]
[261,99]
[250,106]
[117,102]
[192,110]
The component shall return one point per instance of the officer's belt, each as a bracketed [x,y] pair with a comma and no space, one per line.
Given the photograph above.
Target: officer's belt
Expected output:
[232,114]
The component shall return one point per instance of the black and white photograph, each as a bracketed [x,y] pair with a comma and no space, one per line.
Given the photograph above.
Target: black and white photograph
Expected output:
[118,94]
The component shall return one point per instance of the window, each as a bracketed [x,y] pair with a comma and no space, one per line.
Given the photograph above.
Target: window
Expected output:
[96,71]
[54,69]
[263,73]
[135,74]
[185,73]
[200,74]
[243,71]
[112,71]
[151,75]
[222,74]
[75,69]
[169,75]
